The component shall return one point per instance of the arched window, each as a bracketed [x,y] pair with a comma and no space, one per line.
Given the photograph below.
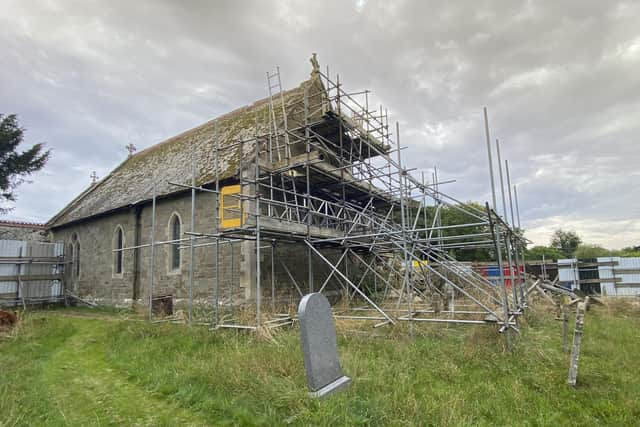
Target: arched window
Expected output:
[118,244]
[70,258]
[75,266]
[175,231]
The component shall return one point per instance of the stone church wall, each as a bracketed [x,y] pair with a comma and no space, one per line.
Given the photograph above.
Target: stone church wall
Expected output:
[98,281]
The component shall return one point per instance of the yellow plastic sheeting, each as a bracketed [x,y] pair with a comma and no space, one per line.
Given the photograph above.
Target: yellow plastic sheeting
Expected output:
[231,207]
[418,264]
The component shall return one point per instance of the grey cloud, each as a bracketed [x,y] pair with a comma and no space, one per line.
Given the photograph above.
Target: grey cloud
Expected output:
[560,80]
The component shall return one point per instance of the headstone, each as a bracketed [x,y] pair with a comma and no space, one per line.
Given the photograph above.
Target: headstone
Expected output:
[320,346]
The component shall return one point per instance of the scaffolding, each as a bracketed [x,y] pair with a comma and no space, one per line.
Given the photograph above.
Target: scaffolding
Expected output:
[325,173]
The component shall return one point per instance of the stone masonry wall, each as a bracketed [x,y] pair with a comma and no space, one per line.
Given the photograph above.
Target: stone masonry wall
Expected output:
[97,279]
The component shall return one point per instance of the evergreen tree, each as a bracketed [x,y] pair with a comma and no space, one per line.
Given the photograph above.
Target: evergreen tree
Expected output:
[16,166]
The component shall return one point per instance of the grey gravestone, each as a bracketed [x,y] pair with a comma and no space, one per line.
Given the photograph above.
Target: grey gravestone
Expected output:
[320,346]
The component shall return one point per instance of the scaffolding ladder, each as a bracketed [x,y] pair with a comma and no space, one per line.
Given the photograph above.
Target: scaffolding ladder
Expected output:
[276,94]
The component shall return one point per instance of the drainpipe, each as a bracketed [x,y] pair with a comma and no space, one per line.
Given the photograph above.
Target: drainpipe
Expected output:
[137,212]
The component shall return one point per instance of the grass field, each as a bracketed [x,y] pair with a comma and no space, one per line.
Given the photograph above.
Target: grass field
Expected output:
[71,367]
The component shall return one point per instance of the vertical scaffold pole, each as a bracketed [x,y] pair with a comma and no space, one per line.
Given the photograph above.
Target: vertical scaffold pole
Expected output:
[506,220]
[516,260]
[216,292]
[273,276]
[153,248]
[504,200]
[507,244]
[493,186]
[424,207]
[438,213]
[522,246]
[515,196]
[401,180]
[513,224]
[257,204]
[308,182]
[506,165]
[505,296]
[192,229]
[524,273]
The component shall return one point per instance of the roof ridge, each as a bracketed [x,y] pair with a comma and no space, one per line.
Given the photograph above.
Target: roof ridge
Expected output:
[142,155]
[224,116]
[22,224]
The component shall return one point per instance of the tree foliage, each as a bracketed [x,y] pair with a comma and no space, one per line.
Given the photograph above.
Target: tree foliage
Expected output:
[582,251]
[585,251]
[536,253]
[16,166]
[630,251]
[566,242]
[453,215]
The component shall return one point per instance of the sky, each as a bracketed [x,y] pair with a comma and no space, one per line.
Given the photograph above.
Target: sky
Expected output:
[560,80]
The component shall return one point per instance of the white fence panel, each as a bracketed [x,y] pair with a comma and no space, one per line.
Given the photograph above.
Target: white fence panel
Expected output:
[30,271]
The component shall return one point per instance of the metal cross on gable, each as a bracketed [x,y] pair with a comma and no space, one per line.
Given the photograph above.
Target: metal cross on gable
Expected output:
[94,177]
[131,149]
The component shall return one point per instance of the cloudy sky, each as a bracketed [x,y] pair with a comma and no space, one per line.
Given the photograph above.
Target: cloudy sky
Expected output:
[561,81]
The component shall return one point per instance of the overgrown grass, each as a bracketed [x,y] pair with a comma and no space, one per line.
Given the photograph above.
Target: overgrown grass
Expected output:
[69,370]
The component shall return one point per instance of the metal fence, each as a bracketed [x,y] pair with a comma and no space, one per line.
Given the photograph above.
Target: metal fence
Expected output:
[606,276]
[31,272]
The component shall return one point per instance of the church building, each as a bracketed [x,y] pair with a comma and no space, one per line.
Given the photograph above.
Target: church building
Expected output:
[229,211]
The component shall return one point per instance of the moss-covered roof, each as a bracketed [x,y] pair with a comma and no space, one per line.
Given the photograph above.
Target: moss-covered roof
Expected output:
[171,160]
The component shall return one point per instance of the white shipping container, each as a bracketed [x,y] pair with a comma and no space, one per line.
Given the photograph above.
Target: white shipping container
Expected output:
[568,272]
[606,272]
[629,285]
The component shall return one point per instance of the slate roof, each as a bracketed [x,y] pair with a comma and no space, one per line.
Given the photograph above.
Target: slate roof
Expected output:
[132,181]
[23,224]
